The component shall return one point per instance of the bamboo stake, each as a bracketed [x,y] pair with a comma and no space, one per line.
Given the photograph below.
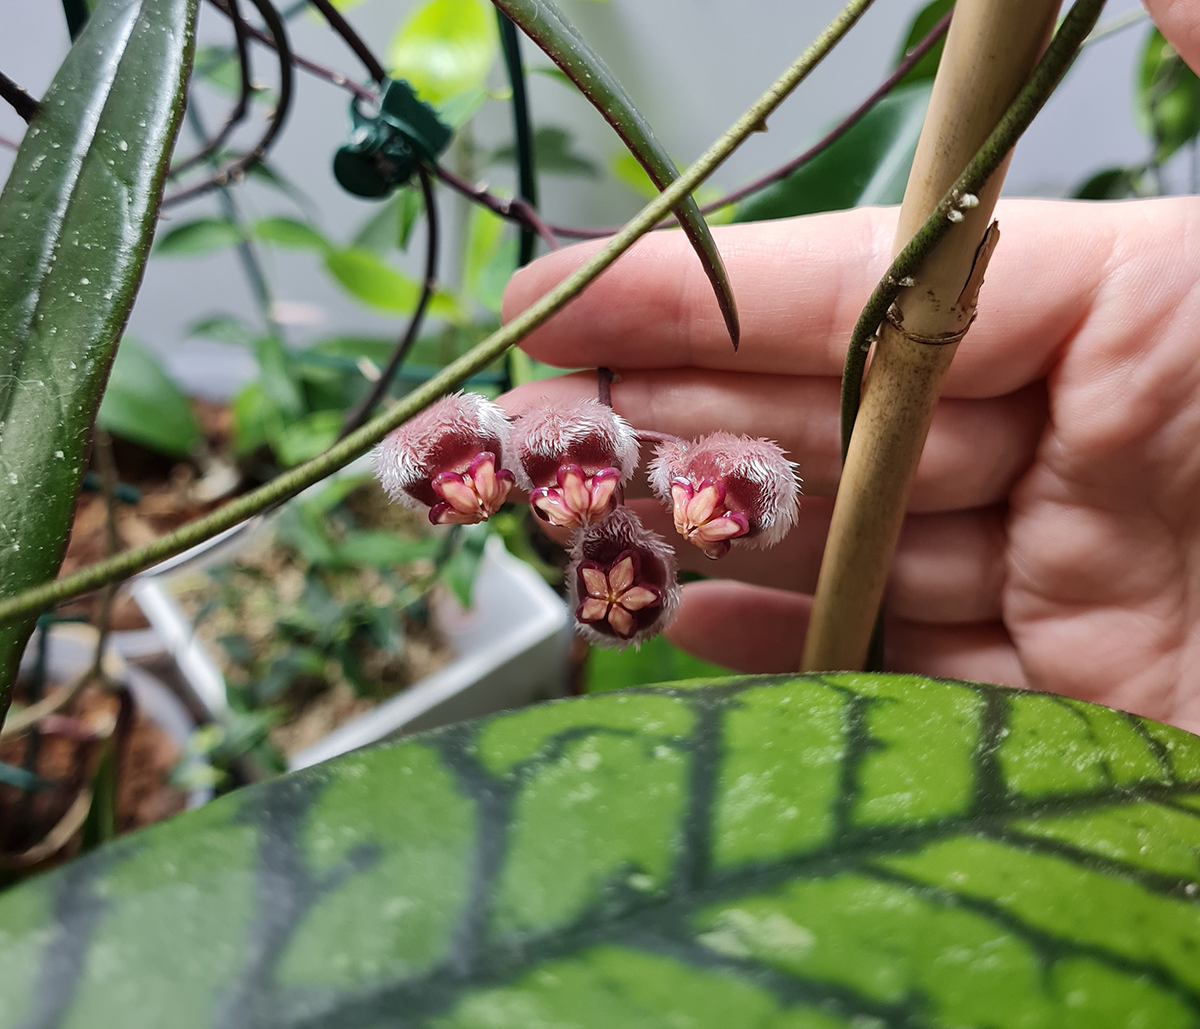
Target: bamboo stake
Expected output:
[991,49]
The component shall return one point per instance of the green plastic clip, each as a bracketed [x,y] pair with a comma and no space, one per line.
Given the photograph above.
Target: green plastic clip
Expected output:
[386,147]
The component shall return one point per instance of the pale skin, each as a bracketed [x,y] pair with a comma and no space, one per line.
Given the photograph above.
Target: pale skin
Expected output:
[1053,535]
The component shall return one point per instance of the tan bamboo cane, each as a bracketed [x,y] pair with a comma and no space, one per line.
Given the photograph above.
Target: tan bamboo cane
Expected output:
[991,49]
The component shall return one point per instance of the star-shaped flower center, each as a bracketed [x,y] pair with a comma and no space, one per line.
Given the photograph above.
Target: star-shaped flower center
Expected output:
[471,496]
[578,499]
[613,596]
[702,518]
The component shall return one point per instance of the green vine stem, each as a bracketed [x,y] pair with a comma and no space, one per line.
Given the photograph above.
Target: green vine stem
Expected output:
[1050,69]
[293,481]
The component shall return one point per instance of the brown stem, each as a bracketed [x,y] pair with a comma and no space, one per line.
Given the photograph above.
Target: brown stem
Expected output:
[235,170]
[352,38]
[604,381]
[26,107]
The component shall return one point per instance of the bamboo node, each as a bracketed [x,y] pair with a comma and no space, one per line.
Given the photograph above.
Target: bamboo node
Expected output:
[938,339]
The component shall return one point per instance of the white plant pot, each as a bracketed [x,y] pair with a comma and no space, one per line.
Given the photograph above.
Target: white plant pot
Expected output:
[510,650]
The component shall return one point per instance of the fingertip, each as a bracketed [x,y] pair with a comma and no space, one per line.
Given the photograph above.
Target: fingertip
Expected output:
[750,629]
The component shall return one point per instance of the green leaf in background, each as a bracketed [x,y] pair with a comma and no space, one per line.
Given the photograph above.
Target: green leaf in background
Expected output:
[201,236]
[816,852]
[868,165]
[218,66]
[491,258]
[306,438]
[378,549]
[460,109]
[554,154]
[289,234]
[1167,97]
[1110,184]
[379,285]
[656,660]
[223,328]
[144,405]
[76,220]
[446,47]
[461,569]
[391,227]
[926,68]
[549,28]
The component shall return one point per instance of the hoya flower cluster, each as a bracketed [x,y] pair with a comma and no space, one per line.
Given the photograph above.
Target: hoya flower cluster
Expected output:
[461,456]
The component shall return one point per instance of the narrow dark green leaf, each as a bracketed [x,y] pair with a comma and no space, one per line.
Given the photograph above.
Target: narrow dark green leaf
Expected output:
[144,405]
[549,28]
[868,165]
[76,219]
[1167,98]
[817,852]
[201,236]
[926,68]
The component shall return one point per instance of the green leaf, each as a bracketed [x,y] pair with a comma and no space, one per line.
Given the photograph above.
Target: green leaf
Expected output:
[201,236]
[379,285]
[548,27]
[307,437]
[815,852]
[379,549]
[1110,184]
[144,405]
[459,110]
[868,165]
[290,234]
[446,47]
[555,154]
[218,65]
[460,570]
[392,226]
[223,328]
[76,220]
[656,660]
[1167,97]
[926,68]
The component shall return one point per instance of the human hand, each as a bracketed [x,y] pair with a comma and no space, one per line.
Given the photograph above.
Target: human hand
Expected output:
[1053,536]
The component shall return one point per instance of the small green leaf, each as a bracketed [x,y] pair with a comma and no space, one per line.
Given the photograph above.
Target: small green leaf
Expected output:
[144,405]
[76,221]
[555,154]
[223,328]
[868,165]
[656,660]
[307,437]
[218,66]
[275,375]
[1167,98]
[1110,184]
[445,48]
[379,285]
[391,227]
[379,549]
[459,110]
[462,567]
[202,236]
[484,242]
[624,167]
[552,71]
[290,234]
[926,68]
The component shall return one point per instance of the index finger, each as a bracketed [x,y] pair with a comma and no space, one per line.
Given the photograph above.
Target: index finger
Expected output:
[800,284]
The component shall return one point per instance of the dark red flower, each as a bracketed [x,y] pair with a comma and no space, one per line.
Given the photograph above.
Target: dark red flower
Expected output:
[622,581]
[724,487]
[573,458]
[449,458]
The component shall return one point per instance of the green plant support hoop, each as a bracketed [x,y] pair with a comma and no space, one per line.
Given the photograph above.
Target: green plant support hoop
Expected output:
[820,852]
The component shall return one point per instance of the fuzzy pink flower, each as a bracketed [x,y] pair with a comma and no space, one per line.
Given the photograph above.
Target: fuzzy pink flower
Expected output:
[449,458]
[573,458]
[725,487]
[622,581]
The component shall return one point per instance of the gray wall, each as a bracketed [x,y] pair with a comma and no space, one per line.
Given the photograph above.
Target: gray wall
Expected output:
[692,66]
